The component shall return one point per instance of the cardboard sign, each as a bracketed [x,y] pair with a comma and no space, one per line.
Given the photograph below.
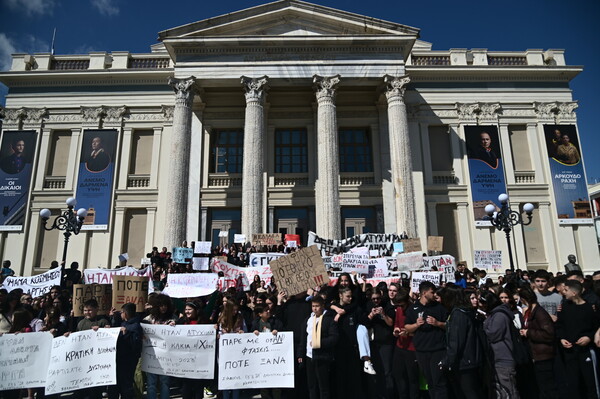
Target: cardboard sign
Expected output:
[100,292]
[24,360]
[488,260]
[299,271]
[410,261]
[182,254]
[418,277]
[132,289]
[202,247]
[251,361]
[435,243]
[190,285]
[412,245]
[269,239]
[185,351]
[35,285]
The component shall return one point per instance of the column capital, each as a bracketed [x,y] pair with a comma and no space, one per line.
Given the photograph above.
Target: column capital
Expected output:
[91,115]
[395,86]
[255,88]
[325,86]
[184,90]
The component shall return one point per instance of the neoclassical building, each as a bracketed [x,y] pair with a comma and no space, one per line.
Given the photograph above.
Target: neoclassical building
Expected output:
[288,117]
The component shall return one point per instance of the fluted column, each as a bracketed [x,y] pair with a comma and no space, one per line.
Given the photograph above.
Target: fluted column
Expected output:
[401,158]
[252,174]
[179,156]
[327,192]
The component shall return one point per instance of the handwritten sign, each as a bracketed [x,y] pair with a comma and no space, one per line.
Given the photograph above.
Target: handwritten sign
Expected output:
[35,285]
[189,285]
[443,263]
[356,262]
[299,271]
[256,361]
[410,261]
[182,254]
[128,289]
[412,245]
[185,351]
[488,260]
[84,359]
[435,243]
[418,277]
[200,263]
[263,258]
[202,247]
[235,276]
[105,276]
[100,292]
[239,238]
[378,268]
[333,261]
[266,239]
[24,360]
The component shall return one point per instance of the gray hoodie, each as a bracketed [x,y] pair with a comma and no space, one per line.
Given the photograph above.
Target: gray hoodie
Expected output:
[496,328]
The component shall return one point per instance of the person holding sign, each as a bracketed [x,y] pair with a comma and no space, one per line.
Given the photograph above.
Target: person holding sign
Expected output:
[192,388]
[265,323]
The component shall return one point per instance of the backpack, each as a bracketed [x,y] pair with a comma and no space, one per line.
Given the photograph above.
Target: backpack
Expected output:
[521,352]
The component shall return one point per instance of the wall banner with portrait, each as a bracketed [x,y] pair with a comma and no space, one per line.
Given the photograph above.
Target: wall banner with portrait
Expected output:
[96,175]
[568,176]
[16,164]
[486,169]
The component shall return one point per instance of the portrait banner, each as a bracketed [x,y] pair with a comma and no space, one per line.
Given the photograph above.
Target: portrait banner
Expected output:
[568,175]
[105,276]
[24,360]
[418,277]
[185,351]
[16,164]
[258,259]
[488,260]
[299,271]
[249,361]
[485,168]
[35,285]
[268,239]
[189,285]
[96,176]
[374,242]
[84,359]
[100,292]
[130,289]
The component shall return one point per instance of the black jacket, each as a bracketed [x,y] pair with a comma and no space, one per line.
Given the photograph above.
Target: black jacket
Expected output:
[275,323]
[129,344]
[329,338]
[464,350]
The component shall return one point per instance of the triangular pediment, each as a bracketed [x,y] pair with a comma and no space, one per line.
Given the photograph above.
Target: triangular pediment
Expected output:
[289,18]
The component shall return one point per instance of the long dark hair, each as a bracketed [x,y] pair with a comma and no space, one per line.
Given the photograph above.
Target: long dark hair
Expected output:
[162,300]
[490,301]
[454,296]
[21,320]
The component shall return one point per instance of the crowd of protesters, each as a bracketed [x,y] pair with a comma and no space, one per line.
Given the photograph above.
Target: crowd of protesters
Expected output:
[527,334]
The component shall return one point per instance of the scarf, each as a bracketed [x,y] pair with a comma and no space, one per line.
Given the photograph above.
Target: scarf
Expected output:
[316,332]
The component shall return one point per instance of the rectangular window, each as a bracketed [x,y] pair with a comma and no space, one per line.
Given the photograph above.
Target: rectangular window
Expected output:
[355,151]
[291,151]
[227,151]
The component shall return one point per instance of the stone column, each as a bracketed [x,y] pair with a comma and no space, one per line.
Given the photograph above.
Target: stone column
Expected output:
[401,157]
[327,190]
[175,223]
[252,174]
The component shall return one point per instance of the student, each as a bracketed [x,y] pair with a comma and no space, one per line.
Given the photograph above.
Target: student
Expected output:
[316,349]
[548,300]
[575,328]
[404,368]
[90,317]
[265,323]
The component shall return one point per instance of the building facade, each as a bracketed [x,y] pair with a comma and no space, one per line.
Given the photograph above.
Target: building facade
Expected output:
[291,117]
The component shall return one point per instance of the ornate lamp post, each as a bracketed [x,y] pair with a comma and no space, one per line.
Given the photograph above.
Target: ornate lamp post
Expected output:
[506,218]
[69,221]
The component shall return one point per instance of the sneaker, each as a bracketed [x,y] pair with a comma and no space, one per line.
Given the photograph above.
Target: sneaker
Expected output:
[369,368]
[208,393]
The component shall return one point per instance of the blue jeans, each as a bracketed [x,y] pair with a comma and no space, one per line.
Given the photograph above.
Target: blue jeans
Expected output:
[231,394]
[164,382]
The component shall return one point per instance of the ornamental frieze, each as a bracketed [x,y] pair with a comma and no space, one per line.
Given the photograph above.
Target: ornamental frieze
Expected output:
[478,111]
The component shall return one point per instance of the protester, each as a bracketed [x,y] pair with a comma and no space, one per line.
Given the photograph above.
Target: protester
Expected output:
[405,368]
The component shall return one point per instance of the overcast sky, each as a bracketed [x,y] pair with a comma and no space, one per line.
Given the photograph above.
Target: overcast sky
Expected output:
[132,25]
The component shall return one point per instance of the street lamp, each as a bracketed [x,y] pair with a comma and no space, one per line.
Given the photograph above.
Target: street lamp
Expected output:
[69,221]
[506,218]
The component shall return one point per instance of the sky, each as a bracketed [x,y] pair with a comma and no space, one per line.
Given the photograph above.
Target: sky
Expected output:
[133,25]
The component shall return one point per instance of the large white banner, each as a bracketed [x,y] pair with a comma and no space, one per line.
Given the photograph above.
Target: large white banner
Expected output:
[105,276]
[190,285]
[263,259]
[186,351]
[35,285]
[235,276]
[410,261]
[24,360]
[84,359]
[256,361]
[383,243]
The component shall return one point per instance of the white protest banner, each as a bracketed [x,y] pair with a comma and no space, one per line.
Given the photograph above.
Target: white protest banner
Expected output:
[334,261]
[373,281]
[223,233]
[419,277]
[300,271]
[410,261]
[239,238]
[105,276]
[182,254]
[392,264]
[358,263]
[378,268]
[291,244]
[189,285]
[84,359]
[443,263]
[186,351]
[361,251]
[145,261]
[235,275]
[380,242]
[200,263]
[35,285]
[24,360]
[256,361]
[263,258]
[202,247]
[488,260]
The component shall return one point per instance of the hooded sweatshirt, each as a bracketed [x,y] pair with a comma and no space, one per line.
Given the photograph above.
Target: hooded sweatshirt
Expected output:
[496,328]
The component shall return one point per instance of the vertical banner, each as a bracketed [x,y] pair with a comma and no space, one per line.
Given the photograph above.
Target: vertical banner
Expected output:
[568,176]
[485,168]
[16,163]
[96,173]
